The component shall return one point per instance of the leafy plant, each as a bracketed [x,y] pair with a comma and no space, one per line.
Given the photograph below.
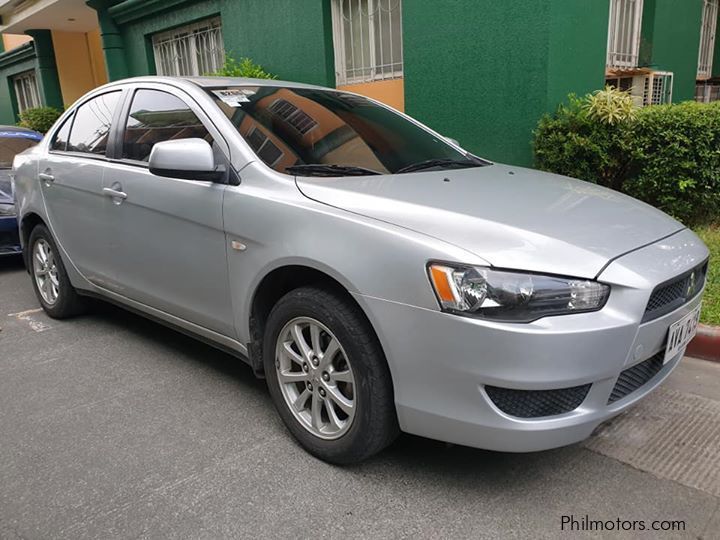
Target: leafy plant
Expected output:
[611,106]
[244,68]
[667,155]
[574,143]
[40,118]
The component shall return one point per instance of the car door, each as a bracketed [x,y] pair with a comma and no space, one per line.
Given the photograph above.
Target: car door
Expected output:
[168,243]
[71,182]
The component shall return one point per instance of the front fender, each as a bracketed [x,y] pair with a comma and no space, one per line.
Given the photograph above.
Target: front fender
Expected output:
[279,227]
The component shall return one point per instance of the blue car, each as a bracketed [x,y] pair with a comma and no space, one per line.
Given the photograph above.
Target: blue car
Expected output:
[13,140]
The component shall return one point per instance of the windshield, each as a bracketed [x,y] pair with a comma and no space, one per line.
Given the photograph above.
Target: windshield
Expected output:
[322,132]
[11,146]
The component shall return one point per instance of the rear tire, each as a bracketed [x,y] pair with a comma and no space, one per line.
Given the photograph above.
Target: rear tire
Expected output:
[336,394]
[50,281]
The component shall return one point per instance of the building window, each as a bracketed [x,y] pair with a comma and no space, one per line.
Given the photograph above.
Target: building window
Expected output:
[299,120]
[367,35]
[26,91]
[706,92]
[707,39]
[264,147]
[192,50]
[624,33]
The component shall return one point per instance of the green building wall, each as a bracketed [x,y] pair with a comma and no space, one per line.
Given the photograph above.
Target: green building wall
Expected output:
[293,39]
[484,72]
[671,42]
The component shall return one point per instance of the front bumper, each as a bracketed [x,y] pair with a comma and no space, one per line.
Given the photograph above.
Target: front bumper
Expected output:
[9,237]
[442,364]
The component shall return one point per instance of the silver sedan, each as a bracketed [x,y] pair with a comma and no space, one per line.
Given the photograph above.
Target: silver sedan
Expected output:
[377,275]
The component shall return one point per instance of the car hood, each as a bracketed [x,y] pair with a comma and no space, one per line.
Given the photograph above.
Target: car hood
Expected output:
[511,217]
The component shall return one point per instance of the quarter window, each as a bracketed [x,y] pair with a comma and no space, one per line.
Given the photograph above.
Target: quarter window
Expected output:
[26,91]
[91,127]
[191,50]
[60,140]
[157,116]
[367,35]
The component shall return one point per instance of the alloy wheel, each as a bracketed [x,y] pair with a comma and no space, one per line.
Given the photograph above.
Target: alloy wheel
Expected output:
[315,378]
[45,271]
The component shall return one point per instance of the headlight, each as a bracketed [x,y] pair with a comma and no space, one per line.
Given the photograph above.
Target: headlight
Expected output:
[513,296]
[7,210]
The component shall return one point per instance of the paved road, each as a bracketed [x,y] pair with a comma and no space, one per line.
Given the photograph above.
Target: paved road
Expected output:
[112,426]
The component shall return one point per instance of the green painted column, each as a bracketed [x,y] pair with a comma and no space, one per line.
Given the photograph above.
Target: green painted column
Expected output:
[47,74]
[113,44]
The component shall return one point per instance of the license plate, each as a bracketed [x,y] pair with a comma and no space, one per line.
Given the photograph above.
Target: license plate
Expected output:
[681,333]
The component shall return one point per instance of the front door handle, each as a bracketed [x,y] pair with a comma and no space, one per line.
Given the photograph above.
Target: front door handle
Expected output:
[46,177]
[114,193]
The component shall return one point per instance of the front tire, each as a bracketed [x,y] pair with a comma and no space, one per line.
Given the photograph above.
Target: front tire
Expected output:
[50,281]
[328,377]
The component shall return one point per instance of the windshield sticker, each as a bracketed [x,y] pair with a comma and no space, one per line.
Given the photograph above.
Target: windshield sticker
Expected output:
[234,97]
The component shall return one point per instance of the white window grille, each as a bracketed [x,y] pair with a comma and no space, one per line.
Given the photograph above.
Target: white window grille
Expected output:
[624,33]
[192,50]
[707,39]
[658,88]
[26,91]
[367,35]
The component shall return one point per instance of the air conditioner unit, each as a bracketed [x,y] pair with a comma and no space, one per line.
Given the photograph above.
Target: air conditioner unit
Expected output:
[647,88]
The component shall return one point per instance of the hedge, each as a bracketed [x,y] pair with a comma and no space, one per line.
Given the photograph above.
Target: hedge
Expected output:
[40,119]
[665,155]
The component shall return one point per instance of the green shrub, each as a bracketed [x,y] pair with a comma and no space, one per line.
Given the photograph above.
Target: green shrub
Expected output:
[40,119]
[668,155]
[676,160]
[573,143]
[244,68]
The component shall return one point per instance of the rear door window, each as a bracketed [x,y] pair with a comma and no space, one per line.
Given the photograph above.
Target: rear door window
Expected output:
[157,116]
[91,127]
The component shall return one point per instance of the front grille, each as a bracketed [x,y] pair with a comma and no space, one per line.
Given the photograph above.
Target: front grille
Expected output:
[537,403]
[672,294]
[633,378]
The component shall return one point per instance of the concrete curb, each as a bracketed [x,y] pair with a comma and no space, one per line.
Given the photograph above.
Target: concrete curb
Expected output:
[706,344]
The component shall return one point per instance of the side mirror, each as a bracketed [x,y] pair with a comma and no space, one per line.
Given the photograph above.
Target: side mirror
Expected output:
[189,159]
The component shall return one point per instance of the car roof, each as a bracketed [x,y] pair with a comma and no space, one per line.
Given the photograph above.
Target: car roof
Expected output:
[217,82]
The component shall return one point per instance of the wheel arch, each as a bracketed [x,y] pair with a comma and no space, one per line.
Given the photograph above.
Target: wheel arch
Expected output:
[27,224]
[279,281]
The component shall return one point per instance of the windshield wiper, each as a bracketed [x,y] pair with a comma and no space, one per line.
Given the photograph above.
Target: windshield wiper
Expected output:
[319,169]
[444,162]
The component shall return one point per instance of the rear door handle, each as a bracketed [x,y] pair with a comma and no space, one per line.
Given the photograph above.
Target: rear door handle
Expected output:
[46,177]
[114,193]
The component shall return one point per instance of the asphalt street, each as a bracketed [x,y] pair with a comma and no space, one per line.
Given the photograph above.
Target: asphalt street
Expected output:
[115,427]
